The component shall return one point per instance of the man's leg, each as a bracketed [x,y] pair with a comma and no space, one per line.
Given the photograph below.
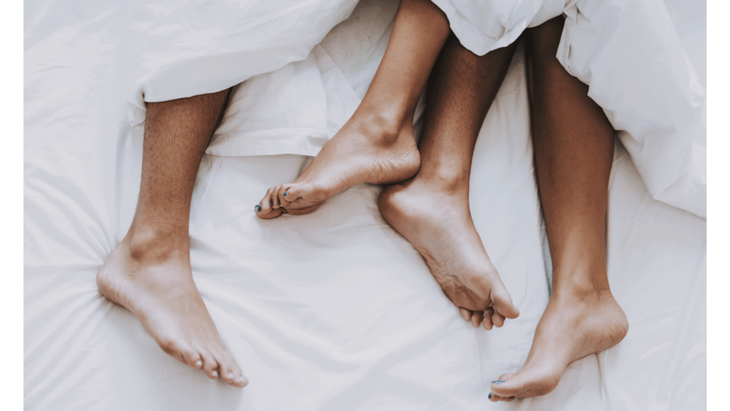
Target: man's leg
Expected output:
[431,210]
[573,143]
[149,272]
[376,145]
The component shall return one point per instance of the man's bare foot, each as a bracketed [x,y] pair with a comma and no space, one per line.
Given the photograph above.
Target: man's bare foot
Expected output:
[363,151]
[150,275]
[573,326]
[434,216]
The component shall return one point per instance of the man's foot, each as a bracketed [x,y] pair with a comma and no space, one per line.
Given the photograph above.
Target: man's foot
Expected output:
[150,275]
[434,216]
[363,151]
[573,326]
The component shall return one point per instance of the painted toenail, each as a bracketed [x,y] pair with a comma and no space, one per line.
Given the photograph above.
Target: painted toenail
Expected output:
[258,207]
[498,382]
[279,202]
[230,375]
[199,363]
[215,374]
[490,395]
[284,194]
[272,203]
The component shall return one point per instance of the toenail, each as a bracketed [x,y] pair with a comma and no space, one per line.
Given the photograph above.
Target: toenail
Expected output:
[258,207]
[284,194]
[272,203]
[490,395]
[279,202]
[215,374]
[498,382]
[199,363]
[230,375]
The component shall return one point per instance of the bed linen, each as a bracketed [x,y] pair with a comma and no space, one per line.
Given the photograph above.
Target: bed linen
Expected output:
[333,310]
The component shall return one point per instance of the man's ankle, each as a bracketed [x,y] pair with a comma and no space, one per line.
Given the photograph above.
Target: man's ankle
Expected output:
[157,240]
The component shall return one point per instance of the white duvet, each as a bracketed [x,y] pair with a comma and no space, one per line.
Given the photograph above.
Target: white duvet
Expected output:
[333,310]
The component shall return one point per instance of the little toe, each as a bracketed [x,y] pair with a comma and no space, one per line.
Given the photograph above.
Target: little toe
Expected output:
[282,199]
[465,314]
[291,192]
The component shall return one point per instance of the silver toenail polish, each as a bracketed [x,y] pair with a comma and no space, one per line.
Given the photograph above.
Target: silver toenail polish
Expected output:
[498,382]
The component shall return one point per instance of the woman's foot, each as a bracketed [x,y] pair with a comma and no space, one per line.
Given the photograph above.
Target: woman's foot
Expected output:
[433,215]
[149,274]
[365,150]
[574,325]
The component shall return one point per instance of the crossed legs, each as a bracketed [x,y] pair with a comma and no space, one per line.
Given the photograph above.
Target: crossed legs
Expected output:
[431,210]
[573,143]
[149,271]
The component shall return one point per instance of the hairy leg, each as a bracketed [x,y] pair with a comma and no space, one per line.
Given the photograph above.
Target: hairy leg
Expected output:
[376,145]
[149,271]
[431,210]
[573,143]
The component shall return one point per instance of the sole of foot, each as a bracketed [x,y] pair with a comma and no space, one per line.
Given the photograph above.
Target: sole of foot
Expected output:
[157,286]
[437,222]
[359,153]
[572,327]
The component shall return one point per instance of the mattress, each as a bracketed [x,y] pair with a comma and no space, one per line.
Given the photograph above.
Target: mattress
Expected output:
[333,310]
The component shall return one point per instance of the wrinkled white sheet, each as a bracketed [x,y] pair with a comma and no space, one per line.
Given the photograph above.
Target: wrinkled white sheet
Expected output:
[330,311]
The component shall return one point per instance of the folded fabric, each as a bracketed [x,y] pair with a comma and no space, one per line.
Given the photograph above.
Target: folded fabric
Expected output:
[180,49]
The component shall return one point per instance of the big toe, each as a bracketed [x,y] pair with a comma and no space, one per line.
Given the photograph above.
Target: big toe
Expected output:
[503,302]
[526,383]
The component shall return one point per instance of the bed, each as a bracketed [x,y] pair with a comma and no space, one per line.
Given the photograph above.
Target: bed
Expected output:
[336,313]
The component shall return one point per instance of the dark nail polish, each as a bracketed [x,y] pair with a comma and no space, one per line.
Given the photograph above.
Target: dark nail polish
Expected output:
[272,203]
[258,207]
[498,382]
[284,194]
[279,202]
[490,395]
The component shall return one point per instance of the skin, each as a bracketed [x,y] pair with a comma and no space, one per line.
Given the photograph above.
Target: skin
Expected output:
[376,145]
[149,272]
[573,143]
[431,210]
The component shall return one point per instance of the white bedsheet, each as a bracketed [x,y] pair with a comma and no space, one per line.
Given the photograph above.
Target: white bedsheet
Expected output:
[333,310]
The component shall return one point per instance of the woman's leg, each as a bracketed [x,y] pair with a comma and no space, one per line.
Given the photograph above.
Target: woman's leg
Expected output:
[149,271]
[573,143]
[431,210]
[376,145]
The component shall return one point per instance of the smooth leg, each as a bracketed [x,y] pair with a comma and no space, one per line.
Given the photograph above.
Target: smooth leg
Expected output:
[376,145]
[431,210]
[573,143]
[149,271]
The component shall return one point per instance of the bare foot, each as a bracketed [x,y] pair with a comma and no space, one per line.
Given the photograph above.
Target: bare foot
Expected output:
[435,218]
[150,275]
[363,151]
[573,326]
